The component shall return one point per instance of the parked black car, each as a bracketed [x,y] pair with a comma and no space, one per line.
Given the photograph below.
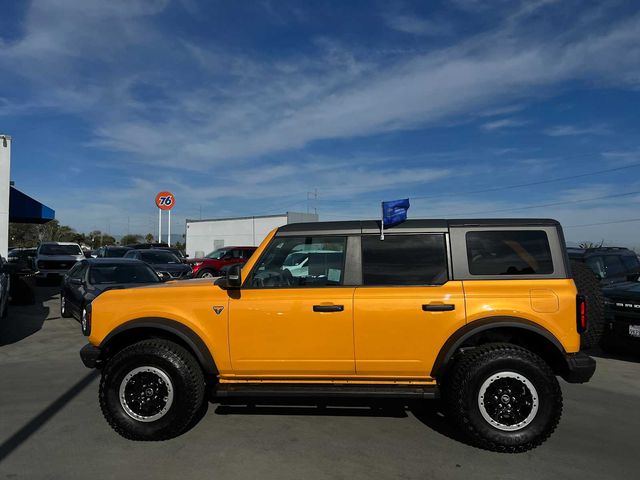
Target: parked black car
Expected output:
[165,263]
[91,277]
[23,258]
[610,264]
[111,252]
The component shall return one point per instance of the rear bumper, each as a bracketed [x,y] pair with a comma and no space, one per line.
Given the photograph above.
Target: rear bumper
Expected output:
[91,356]
[580,368]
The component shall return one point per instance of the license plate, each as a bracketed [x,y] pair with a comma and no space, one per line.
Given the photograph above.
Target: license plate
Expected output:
[634,331]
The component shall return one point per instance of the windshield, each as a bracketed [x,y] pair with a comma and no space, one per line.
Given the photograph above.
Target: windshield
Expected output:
[115,252]
[125,273]
[217,254]
[52,249]
[159,257]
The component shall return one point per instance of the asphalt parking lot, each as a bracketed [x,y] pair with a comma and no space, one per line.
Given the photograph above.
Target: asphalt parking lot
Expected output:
[51,426]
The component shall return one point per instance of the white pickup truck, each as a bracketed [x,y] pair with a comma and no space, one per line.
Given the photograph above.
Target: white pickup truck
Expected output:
[54,259]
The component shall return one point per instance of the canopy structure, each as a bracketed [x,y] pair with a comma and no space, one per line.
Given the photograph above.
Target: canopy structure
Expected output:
[24,209]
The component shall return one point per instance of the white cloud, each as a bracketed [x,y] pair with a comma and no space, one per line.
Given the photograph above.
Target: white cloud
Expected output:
[503,123]
[573,130]
[419,26]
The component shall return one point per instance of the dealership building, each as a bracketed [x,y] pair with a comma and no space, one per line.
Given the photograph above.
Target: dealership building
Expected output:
[15,206]
[204,236]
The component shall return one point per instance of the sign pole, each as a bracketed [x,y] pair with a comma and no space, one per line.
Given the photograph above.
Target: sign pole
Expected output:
[169,234]
[382,222]
[159,226]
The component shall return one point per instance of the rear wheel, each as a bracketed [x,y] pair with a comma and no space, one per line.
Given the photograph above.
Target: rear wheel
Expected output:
[504,398]
[588,286]
[151,390]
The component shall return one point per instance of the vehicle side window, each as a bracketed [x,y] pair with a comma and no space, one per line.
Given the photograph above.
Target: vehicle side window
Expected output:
[404,260]
[323,264]
[236,253]
[78,272]
[631,264]
[509,252]
[613,266]
[246,254]
[596,264]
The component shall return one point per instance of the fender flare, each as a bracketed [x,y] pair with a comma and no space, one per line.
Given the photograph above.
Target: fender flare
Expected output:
[184,333]
[485,324]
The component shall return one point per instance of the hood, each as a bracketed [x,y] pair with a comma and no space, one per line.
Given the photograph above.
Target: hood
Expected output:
[170,267]
[627,290]
[61,258]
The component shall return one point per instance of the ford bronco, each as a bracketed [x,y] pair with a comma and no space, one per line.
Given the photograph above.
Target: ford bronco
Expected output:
[482,313]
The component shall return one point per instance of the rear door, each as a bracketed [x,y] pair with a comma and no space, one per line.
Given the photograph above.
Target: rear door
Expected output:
[407,307]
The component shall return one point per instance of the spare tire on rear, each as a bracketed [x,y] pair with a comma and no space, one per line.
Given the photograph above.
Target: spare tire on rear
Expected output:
[589,286]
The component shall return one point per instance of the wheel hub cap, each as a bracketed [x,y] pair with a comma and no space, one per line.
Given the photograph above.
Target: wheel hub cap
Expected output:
[146,394]
[508,401]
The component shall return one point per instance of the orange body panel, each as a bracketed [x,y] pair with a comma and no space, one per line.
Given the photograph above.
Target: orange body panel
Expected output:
[549,303]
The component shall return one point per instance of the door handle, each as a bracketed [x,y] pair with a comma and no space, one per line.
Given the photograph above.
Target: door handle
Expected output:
[438,307]
[328,308]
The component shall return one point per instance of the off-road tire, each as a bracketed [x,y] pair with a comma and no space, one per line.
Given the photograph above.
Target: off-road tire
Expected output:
[588,285]
[64,311]
[188,386]
[462,389]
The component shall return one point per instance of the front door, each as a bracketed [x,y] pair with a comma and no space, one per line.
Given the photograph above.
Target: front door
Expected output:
[294,322]
[406,308]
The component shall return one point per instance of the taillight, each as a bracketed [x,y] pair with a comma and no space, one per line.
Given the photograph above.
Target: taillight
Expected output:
[581,313]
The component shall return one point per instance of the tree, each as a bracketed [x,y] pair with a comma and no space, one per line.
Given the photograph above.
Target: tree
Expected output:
[591,244]
[130,239]
[149,238]
[23,235]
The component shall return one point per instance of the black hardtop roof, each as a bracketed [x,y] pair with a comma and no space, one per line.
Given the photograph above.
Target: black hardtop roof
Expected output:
[362,225]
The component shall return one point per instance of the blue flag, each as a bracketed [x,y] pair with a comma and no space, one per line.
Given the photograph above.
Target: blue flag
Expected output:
[394,212]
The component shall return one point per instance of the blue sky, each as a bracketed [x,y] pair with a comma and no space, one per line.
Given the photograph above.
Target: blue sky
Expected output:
[241,108]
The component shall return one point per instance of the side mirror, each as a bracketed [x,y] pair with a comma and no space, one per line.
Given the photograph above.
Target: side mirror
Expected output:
[234,277]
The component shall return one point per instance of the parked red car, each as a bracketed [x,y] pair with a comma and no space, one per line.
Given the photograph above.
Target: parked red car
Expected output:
[213,264]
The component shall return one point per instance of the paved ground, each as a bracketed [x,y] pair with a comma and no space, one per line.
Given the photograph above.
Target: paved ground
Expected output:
[51,427]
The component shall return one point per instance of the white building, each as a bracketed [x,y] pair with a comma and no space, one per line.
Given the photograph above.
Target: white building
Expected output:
[204,236]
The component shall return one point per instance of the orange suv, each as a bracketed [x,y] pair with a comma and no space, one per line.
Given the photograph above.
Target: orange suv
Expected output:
[481,312]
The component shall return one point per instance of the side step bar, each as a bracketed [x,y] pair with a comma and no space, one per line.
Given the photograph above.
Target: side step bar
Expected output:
[225,390]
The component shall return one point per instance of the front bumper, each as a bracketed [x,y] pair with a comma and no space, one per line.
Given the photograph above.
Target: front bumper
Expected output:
[91,356]
[580,368]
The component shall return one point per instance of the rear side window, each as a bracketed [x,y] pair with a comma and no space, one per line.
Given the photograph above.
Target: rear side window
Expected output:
[631,263]
[404,260]
[517,252]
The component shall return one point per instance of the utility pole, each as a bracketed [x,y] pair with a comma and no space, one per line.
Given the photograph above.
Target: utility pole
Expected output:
[315,200]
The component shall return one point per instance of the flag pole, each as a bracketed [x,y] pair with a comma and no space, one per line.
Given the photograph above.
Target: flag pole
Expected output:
[382,222]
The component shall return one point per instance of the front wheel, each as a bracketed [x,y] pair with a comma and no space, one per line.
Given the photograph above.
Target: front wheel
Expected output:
[504,398]
[151,390]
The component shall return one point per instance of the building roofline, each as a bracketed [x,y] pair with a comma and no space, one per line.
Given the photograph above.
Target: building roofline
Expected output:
[285,214]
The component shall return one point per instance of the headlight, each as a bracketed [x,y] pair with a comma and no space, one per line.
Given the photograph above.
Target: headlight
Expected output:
[86,321]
